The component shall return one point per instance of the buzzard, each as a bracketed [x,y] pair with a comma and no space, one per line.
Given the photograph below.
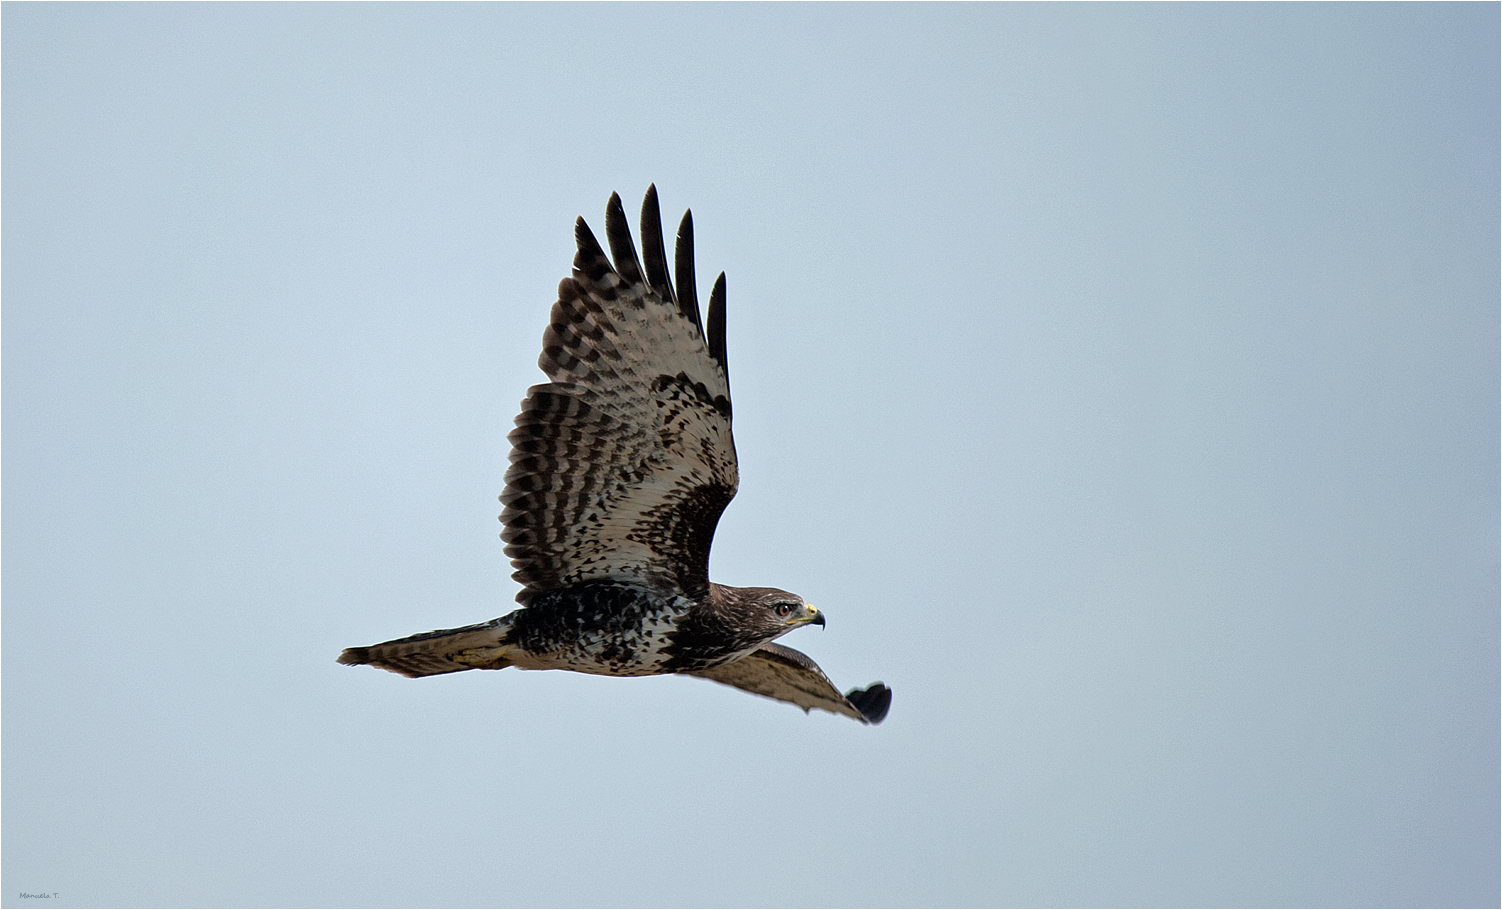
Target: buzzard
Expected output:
[620,468]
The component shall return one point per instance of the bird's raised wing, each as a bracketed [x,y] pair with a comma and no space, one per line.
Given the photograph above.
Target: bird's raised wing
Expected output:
[622,464]
[787,675]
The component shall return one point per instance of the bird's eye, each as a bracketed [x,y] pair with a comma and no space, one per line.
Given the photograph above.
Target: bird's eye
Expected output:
[783,609]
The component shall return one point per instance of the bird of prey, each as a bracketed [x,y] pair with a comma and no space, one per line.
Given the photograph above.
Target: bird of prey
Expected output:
[620,468]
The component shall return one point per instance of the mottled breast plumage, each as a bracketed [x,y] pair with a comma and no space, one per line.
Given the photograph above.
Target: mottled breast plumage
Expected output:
[608,628]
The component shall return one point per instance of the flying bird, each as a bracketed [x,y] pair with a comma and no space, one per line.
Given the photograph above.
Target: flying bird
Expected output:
[620,468]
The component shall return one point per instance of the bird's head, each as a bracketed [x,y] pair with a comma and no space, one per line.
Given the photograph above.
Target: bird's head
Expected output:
[771,612]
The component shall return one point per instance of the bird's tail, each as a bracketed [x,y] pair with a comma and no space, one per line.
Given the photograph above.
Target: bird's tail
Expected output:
[483,646]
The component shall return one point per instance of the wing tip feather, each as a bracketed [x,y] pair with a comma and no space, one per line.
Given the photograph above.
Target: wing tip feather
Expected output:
[873,702]
[683,266]
[717,323]
[622,247]
[654,254]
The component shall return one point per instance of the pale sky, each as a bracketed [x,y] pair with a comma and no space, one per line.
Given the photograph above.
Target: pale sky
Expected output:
[1121,381]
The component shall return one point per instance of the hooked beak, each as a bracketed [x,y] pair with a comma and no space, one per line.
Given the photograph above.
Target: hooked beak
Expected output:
[814,616]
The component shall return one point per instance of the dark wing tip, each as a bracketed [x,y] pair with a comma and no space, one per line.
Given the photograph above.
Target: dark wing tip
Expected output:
[683,268]
[618,235]
[589,260]
[654,256]
[873,702]
[717,323]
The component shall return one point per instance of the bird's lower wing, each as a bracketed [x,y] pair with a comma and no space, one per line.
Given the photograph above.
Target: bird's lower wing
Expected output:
[788,675]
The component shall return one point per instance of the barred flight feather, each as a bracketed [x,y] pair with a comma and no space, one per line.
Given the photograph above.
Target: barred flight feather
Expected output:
[623,463]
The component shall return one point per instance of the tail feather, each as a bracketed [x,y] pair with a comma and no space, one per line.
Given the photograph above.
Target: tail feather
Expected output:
[479,647]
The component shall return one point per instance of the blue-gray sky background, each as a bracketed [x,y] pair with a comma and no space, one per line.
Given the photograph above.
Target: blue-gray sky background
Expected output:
[1122,382]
